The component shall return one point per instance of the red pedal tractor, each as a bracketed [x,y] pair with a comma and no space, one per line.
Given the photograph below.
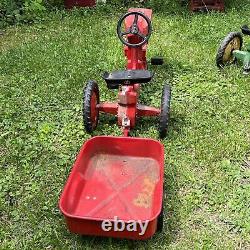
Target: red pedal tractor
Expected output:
[135,36]
[120,177]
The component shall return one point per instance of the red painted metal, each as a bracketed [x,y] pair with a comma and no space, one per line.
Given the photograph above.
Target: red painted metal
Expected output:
[127,106]
[108,107]
[196,5]
[94,110]
[143,110]
[69,4]
[137,56]
[111,177]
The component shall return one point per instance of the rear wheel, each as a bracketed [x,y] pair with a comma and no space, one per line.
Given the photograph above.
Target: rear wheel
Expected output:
[160,220]
[233,41]
[90,101]
[165,110]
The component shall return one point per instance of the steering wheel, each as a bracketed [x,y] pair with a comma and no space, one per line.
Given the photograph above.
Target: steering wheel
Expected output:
[134,29]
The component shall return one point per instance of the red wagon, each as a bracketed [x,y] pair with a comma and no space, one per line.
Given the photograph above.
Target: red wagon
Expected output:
[111,179]
[116,185]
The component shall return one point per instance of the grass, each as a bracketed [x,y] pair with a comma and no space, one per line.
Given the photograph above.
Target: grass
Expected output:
[207,163]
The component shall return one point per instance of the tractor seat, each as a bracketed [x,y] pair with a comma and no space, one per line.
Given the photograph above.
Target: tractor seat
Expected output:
[126,77]
[245,30]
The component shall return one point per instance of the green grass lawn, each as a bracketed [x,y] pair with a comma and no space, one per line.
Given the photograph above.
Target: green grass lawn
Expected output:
[43,68]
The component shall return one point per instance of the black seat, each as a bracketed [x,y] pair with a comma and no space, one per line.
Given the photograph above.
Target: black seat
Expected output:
[245,30]
[126,77]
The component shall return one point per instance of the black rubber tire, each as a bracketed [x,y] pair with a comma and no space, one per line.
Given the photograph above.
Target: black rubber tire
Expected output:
[165,110]
[90,89]
[221,51]
[160,221]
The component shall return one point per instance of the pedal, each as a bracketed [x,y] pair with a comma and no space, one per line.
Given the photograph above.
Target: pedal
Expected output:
[158,60]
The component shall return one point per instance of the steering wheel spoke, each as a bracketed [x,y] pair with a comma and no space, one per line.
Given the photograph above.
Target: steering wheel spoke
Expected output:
[126,33]
[141,35]
[135,20]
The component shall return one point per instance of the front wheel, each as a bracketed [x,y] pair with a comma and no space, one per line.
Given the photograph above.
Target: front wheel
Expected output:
[233,41]
[165,110]
[90,100]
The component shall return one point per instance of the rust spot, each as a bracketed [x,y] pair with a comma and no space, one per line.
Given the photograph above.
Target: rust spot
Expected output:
[144,198]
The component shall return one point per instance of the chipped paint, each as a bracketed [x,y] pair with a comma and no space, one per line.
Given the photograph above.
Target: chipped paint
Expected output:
[144,198]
